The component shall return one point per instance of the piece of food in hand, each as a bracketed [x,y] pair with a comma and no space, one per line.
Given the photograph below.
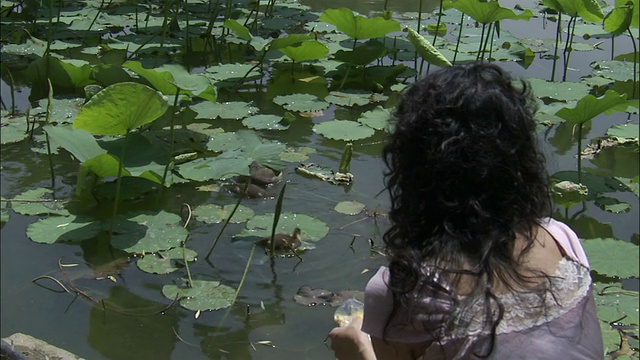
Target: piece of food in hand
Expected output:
[348,311]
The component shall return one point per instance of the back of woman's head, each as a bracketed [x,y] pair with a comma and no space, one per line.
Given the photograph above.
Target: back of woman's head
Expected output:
[463,163]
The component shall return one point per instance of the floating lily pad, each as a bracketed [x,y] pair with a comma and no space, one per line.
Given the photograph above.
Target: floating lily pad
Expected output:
[349,207]
[233,71]
[229,110]
[148,233]
[297,155]
[63,228]
[343,130]
[203,295]
[561,91]
[377,118]
[204,169]
[265,122]
[4,212]
[348,99]
[612,205]
[312,229]
[614,258]
[37,202]
[614,69]
[301,102]
[164,262]
[624,131]
[213,214]
[13,130]
[615,304]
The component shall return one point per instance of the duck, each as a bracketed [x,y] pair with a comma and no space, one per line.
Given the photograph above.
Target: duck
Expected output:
[284,241]
[252,191]
[263,175]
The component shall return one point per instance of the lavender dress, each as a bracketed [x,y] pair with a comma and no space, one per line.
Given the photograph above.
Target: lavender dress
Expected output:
[563,326]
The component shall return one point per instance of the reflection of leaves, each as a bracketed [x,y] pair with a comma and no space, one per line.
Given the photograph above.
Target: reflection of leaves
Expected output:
[614,258]
[203,295]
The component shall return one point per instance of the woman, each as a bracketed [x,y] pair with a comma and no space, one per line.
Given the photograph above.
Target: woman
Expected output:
[477,269]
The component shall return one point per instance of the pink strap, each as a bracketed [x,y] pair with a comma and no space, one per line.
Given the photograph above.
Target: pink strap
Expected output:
[566,238]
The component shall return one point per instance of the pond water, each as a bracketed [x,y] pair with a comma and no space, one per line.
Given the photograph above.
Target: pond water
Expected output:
[265,322]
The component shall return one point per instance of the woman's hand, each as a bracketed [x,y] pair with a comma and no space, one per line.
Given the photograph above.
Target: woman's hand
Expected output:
[351,343]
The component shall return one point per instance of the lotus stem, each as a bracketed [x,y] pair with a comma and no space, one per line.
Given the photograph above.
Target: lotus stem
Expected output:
[635,63]
[276,219]
[186,263]
[46,135]
[244,274]
[455,54]
[484,26]
[580,153]
[555,52]
[226,222]
[567,47]
[187,41]
[118,185]
[13,96]
[491,41]
[171,135]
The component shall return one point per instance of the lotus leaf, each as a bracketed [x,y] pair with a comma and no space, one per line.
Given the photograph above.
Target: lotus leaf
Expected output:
[349,207]
[611,257]
[224,142]
[618,20]
[225,72]
[426,50]
[589,107]
[636,5]
[63,111]
[213,214]
[141,156]
[63,228]
[61,72]
[348,98]
[296,155]
[120,108]
[613,304]
[305,51]
[488,12]
[363,54]
[13,129]
[614,69]
[612,205]
[359,27]
[343,130]
[204,169]
[229,110]
[240,30]
[148,233]
[631,184]
[377,118]
[596,184]
[560,91]
[312,229]
[202,295]
[4,212]
[164,261]
[265,122]
[37,202]
[567,193]
[104,165]
[301,102]
[625,131]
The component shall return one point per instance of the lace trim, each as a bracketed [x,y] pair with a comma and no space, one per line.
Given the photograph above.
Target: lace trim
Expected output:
[526,310]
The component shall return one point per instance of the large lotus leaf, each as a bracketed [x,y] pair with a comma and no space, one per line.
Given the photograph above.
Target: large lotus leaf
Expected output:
[632,184]
[204,169]
[213,214]
[289,40]
[308,50]
[120,108]
[589,10]
[612,205]
[489,12]
[4,213]
[265,152]
[618,20]
[349,207]
[224,142]
[614,69]
[164,262]
[377,118]
[32,46]
[625,131]
[428,52]
[61,72]
[104,165]
[63,228]
[343,130]
[78,142]
[359,27]
[363,54]
[240,30]
[561,91]
[224,72]
[228,110]
[37,202]
[636,5]
[148,233]
[614,258]
[596,184]
[141,155]
[312,229]
[301,102]
[63,110]
[590,106]
[202,295]
[614,304]
[265,122]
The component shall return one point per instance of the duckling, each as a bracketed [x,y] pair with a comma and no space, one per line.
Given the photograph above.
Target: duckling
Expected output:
[252,191]
[284,241]
[263,175]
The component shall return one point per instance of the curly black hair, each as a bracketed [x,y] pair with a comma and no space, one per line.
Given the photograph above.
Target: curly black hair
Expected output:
[465,176]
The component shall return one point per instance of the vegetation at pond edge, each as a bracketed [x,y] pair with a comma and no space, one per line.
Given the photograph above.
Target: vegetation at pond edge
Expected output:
[127,103]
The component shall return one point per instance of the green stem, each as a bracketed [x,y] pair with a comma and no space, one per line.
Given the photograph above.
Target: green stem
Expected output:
[455,54]
[244,274]
[555,52]
[635,63]
[484,26]
[580,153]
[186,263]
[46,121]
[567,48]
[226,222]
[187,41]
[276,219]
[171,136]
[118,185]
[13,97]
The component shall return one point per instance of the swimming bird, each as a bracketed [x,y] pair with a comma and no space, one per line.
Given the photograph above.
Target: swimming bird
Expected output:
[284,241]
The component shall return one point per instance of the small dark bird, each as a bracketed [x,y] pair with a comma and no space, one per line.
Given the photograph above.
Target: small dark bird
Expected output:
[263,175]
[252,191]
[284,241]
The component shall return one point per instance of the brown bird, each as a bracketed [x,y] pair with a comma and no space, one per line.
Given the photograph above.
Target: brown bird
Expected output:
[284,241]
[263,175]
[252,191]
